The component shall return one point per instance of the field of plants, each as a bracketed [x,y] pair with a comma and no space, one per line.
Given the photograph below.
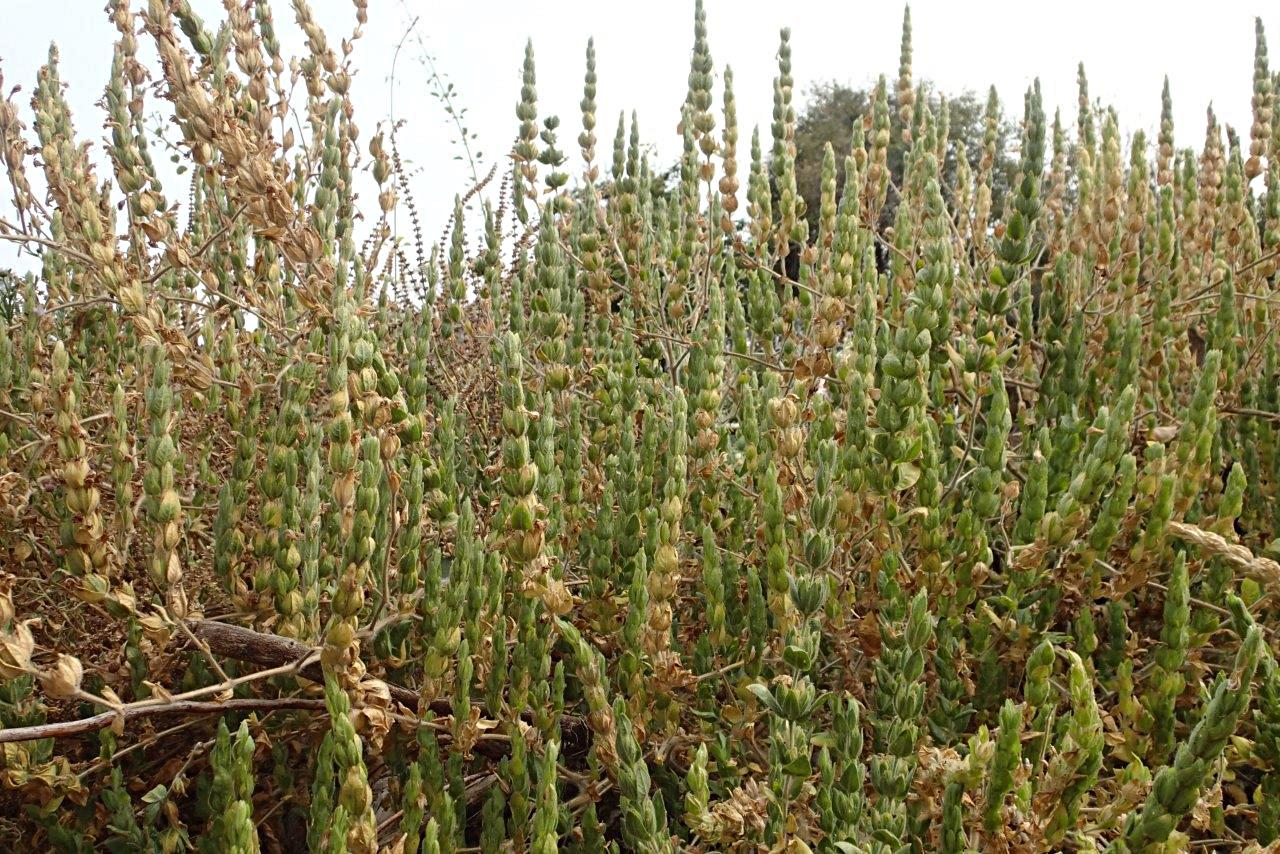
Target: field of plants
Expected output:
[635,513]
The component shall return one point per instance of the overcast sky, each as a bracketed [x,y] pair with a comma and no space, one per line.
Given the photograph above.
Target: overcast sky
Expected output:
[642,61]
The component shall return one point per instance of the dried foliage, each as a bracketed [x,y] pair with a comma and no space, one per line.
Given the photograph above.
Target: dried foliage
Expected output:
[635,518]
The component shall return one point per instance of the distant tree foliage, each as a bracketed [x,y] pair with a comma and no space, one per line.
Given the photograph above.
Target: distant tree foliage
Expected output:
[833,108]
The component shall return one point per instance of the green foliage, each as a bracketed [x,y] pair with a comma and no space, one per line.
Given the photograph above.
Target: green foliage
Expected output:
[918,500]
[834,110]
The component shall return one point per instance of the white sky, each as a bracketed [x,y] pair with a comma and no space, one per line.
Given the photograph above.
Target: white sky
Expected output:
[642,62]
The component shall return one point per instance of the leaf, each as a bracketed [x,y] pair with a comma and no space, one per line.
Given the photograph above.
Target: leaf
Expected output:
[62,681]
[798,657]
[156,795]
[15,651]
[912,452]
[766,698]
[904,518]
[905,476]
[158,690]
[824,739]
[800,767]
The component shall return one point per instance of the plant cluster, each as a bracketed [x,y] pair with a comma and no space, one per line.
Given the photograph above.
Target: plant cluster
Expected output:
[627,520]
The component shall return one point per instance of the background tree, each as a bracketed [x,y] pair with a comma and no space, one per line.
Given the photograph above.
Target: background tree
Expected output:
[833,108]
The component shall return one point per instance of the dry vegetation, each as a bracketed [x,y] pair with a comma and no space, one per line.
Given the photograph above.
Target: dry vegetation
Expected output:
[636,518]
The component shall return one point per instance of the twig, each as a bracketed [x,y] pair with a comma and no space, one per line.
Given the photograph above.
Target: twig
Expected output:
[204,648]
[137,745]
[1252,413]
[66,250]
[968,447]
[719,671]
[203,246]
[131,713]
[443,92]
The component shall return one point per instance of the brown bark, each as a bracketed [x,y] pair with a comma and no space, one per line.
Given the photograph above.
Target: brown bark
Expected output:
[267,650]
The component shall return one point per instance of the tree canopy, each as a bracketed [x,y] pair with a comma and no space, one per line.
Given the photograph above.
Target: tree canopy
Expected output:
[833,109]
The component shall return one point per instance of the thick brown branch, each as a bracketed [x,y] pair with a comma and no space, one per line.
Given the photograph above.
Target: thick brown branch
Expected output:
[267,650]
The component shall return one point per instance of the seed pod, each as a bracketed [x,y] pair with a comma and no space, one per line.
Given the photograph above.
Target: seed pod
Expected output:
[1176,787]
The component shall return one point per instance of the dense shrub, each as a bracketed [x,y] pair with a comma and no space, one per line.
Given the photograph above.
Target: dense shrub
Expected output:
[604,526]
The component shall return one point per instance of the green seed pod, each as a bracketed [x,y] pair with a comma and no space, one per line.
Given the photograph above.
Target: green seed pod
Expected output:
[322,791]
[1073,769]
[546,817]
[642,827]
[431,837]
[413,802]
[493,829]
[1039,669]
[1176,787]
[1004,764]
[163,503]
[1167,682]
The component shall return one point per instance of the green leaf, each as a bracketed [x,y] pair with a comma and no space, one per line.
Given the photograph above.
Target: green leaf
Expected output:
[797,657]
[912,452]
[905,476]
[766,698]
[1250,591]
[800,767]
[825,739]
